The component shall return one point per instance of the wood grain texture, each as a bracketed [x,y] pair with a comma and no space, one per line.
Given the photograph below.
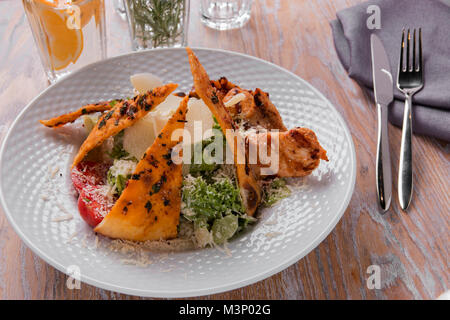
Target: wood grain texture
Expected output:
[410,248]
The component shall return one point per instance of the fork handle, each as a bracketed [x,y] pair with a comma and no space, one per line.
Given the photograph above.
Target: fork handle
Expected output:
[405,179]
[383,165]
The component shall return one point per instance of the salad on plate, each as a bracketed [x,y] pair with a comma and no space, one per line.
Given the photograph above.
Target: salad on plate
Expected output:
[193,167]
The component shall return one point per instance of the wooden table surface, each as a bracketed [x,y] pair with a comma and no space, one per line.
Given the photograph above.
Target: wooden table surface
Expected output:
[410,248]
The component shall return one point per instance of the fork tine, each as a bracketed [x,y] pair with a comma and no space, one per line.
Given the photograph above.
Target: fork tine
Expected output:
[407,51]
[413,66]
[420,50]
[400,64]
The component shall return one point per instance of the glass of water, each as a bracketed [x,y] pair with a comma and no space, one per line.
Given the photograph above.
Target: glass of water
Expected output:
[225,14]
[68,33]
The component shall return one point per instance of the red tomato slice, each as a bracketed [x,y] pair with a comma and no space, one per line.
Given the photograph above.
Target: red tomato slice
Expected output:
[89,179]
[93,204]
[89,173]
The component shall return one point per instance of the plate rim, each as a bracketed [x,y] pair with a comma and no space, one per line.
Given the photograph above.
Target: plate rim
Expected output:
[161,293]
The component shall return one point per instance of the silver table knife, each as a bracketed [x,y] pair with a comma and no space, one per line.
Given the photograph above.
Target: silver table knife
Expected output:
[384,94]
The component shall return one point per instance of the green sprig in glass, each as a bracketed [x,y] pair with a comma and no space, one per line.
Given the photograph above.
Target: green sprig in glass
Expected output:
[157,23]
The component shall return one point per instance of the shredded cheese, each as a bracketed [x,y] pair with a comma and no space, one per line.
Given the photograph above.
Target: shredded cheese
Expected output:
[63,218]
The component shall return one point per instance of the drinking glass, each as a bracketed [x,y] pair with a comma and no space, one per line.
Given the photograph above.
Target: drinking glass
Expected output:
[225,14]
[67,33]
[157,23]
[120,9]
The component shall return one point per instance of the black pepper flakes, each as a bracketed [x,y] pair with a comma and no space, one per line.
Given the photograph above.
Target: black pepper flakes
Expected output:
[156,187]
[148,206]
[147,106]
[141,101]
[102,123]
[168,155]
[124,108]
[214,98]
[135,177]
[109,114]
[153,161]
[84,111]
[166,202]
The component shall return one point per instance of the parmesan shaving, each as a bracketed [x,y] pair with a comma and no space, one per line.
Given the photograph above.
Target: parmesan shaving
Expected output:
[234,100]
[271,235]
[71,237]
[54,172]
[63,218]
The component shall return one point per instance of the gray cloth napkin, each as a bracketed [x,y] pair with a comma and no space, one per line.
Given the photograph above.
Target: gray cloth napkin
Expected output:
[431,106]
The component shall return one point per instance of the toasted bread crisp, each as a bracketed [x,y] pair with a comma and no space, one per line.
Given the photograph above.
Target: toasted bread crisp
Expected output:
[249,187]
[123,115]
[72,116]
[149,207]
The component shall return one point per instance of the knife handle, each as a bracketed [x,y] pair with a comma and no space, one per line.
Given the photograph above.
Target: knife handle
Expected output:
[383,164]
[405,179]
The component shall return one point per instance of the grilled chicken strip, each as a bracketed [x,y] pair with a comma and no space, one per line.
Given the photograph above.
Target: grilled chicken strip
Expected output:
[256,109]
[299,151]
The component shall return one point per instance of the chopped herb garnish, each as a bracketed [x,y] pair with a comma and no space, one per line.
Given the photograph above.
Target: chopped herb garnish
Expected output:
[83,111]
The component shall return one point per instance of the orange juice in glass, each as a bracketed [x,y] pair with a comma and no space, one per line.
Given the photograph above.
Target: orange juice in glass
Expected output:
[68,33]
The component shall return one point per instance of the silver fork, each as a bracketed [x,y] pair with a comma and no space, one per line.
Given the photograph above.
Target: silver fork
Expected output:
[409,81]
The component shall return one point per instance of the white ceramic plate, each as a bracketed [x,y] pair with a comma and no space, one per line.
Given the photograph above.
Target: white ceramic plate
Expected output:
[35,186]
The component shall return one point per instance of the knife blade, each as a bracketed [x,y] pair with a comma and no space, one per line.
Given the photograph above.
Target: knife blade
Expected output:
[384,94]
